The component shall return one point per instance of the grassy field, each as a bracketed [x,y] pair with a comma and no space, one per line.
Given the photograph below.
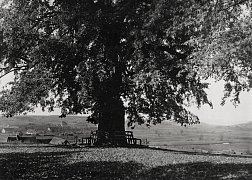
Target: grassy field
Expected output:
[196,138]
[44,162]
[186,153]
[202,137]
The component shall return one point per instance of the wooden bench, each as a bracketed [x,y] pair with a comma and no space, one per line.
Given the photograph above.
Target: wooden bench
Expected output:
[114,137]
[91,140]
[128,135]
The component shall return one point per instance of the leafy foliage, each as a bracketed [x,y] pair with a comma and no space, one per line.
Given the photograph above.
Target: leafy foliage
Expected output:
[93,55]
[225,53]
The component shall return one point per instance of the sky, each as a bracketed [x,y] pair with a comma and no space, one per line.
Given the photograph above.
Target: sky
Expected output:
[219,115]
[227,114]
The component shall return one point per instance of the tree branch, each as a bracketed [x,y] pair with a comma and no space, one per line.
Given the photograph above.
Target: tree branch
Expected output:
[172,51]
[11,70]
[239,2]
[168,49]
[233,5]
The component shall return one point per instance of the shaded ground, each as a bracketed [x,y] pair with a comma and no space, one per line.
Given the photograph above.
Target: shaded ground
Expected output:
[117,163]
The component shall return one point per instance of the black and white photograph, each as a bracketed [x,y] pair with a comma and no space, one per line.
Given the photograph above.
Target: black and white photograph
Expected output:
[126,89]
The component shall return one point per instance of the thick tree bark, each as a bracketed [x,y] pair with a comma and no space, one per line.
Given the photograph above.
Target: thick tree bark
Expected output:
[111,108]
[112,116]
[111,121]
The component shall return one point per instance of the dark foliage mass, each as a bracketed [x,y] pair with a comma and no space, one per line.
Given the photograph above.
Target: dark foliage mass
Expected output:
[145,58]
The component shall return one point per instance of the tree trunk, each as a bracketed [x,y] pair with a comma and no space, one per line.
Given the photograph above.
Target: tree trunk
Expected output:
[111,121]
[111,109]
[112,117]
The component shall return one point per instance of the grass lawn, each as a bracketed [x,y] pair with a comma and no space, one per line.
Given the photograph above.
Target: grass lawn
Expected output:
[45,162]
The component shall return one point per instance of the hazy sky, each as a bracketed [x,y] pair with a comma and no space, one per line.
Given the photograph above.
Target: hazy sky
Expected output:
[227,114]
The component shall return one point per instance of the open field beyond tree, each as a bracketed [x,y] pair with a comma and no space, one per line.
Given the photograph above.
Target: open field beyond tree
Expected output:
[196,138]
[45,162]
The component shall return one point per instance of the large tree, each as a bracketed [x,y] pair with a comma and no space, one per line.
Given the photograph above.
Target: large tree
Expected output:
[146,58]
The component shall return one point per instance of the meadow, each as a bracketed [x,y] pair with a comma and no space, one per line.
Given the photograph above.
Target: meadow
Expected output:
[26,162]
[174,152]
[236,140]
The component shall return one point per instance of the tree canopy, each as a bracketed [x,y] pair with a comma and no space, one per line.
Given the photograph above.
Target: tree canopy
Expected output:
[148,58]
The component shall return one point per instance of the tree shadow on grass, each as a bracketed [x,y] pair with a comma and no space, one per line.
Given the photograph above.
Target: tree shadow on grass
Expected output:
[132,170]
[37,165]
[53,165]
[201,170]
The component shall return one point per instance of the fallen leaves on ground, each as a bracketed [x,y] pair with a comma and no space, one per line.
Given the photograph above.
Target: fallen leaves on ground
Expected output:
[46,162]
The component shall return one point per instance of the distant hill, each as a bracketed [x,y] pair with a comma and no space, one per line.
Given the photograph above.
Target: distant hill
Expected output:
[168,134]
[42,123]
[247,125]
[80,121]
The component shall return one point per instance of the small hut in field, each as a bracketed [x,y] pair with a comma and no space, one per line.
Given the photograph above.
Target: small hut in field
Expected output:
[44,139]
[28,139]
[58,141]
[9,130]
[12,139]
